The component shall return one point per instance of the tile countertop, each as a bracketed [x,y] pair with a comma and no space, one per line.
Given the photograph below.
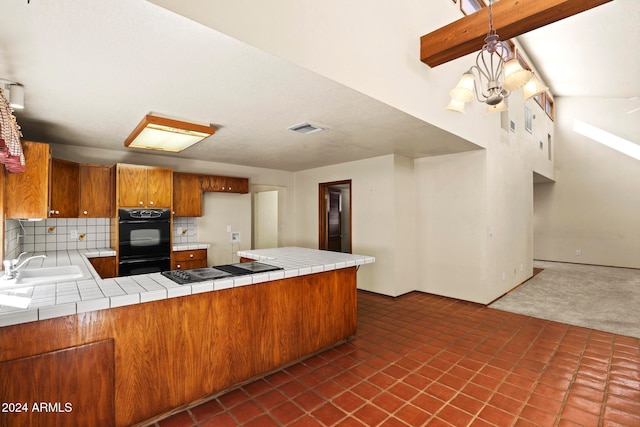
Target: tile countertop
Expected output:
[93,293]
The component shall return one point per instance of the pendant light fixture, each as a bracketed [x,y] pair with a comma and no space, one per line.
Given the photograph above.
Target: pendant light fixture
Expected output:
[497,72]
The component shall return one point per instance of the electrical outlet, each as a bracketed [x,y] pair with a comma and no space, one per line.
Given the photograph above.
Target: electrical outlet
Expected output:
[578,252]
[235,237]
[73,234]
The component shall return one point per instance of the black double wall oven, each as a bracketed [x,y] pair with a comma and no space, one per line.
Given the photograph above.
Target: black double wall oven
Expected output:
[145,241]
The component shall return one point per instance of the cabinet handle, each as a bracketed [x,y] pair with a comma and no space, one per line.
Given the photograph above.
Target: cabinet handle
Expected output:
[178,266]
[140,203]
[151,202]
[229,188]
[57,212]
[85,212]
[190,255]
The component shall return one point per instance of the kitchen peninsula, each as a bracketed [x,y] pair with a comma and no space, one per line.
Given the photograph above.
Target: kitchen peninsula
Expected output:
[149,345]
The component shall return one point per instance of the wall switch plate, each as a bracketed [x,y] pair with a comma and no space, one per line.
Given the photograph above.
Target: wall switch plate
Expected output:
[235,237]
[228,229]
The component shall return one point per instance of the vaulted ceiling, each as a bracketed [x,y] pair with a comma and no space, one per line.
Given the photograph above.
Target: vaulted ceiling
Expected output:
[92,70]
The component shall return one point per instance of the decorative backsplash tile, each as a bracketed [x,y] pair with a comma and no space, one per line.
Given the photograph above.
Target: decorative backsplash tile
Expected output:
[56,235]
[76,233]
[184,231]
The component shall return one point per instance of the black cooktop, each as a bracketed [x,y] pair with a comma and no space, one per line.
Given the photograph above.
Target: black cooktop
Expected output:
[183,277]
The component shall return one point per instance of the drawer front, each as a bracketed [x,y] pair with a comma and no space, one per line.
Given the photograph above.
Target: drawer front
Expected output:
[188,265]
[197,254]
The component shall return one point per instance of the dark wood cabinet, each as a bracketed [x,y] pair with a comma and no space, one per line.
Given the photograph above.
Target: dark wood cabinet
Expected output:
[27,193]
[69,387]
[187,195]
[65,189]
[225,184]
[105,266]
[96,194]
[185,260]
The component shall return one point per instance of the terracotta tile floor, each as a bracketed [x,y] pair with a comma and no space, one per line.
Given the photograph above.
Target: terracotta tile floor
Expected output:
[426,360]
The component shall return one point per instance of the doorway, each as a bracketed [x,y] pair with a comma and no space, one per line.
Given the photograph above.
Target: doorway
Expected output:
[334,216]
[265,225]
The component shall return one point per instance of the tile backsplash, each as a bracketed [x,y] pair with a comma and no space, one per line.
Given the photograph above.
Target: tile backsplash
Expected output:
[75,233]
[56,235]
[184,231]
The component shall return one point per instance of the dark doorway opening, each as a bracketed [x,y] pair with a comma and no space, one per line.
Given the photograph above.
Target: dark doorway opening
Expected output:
[334,217]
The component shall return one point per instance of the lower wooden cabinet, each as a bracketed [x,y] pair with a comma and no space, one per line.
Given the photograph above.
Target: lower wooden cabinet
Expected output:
[69,387]
[185,260]
[105,266]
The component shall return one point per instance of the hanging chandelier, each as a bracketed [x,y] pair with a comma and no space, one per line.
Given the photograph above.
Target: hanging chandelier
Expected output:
[496,76]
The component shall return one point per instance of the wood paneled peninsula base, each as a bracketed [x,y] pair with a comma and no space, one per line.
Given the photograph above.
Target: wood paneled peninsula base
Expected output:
[125,365]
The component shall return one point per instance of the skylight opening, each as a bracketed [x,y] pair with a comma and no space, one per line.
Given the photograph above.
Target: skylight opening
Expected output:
[605,138]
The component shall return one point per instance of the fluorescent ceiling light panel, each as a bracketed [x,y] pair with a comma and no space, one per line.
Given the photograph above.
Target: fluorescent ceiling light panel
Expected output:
[605,138]
[163,134]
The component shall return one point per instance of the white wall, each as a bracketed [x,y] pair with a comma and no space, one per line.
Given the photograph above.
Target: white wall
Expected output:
[222,210]
[265,224]
[373,215]
[451,225]
[594,204]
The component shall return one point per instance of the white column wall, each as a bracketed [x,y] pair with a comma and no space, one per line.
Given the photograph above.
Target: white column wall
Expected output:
[373,215]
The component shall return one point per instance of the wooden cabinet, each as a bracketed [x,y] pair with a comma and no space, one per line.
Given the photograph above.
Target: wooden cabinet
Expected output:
[96,194]
[27,193]
[143,186]
[68,387]
[80,190]
[65,189]
[105,266]
[187,195]
[225,184]
[185,260]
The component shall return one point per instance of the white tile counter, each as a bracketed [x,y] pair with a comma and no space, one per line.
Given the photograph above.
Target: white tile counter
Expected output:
[94,293]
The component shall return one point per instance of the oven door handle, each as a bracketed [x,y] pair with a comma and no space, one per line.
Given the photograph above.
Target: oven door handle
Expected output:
[141,260]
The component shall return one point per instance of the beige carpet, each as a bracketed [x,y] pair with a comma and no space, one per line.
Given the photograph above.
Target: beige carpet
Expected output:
[602,298]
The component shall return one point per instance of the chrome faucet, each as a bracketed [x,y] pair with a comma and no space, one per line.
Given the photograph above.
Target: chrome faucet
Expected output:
[11,266]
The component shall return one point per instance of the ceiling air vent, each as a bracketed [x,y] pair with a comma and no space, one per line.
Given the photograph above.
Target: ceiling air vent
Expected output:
[305,128]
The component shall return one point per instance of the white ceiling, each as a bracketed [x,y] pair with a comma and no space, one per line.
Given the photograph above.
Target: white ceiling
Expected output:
[92,70]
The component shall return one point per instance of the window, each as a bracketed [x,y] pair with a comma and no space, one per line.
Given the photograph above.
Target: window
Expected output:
[528,119]
[548,105]
[470,6]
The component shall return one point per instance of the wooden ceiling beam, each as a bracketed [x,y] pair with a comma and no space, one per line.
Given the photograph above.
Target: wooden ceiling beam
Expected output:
[510,19]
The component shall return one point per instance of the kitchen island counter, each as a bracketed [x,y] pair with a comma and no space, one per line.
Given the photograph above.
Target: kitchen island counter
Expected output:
[93,293]
[157,346]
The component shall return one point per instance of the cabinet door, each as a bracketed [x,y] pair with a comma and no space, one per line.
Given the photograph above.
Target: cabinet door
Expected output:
[159,187]
[69,387]
[105,266]
[238,185]
[64,189]
[95,191]
[131,185]
[187,195]
[214,183]
[27,193]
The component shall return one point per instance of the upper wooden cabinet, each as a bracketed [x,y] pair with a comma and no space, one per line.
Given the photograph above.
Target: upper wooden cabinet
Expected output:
[143,186]
[96,194]
[65,189]
[225,184]
[27,193]
[187,195]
